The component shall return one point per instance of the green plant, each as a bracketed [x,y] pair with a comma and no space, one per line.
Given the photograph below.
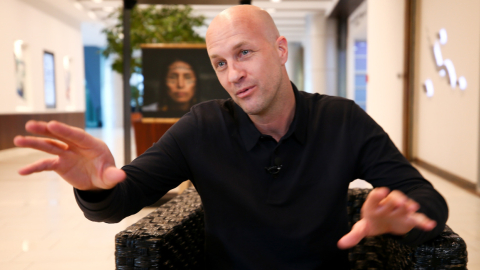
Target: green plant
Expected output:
[167,24]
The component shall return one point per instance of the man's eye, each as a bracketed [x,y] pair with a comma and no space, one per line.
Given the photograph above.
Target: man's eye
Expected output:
[220,64]
[244,52]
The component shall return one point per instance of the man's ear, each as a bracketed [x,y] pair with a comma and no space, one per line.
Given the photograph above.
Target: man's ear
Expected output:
[282,48]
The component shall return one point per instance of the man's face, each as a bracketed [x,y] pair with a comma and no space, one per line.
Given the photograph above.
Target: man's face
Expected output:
[247,65]
[181,82]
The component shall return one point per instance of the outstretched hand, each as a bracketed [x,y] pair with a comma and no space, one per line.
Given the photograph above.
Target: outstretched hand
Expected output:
[82,160]
[386,212]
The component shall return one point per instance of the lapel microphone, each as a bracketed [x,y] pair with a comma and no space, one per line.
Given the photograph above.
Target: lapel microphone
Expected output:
[275,169]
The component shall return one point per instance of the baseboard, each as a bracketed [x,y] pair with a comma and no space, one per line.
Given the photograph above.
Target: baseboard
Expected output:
[455,179]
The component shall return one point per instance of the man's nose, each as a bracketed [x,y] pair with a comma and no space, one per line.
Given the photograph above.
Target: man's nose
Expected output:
[235,73]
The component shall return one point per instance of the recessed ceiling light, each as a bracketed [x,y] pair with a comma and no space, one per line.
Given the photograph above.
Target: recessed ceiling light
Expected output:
[97,1]
[108,9]
[78,6]
[276,1]
[92,15]
[271,10]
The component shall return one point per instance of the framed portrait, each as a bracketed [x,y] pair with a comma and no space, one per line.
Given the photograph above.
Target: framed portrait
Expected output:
[49,79]
[176,77]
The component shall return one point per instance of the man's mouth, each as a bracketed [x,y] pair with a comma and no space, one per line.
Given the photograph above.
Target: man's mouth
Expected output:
[244,91]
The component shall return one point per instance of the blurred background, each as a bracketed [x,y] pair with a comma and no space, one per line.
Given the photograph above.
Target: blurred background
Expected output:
[412,65]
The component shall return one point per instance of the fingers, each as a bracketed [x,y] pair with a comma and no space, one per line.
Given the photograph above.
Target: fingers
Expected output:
[65,133]
[71,134]
[39,166]
[46,145]
[393,213]
[112,176]
[374,198]
[38,128]
[357,233]
[422,222]
[397,203]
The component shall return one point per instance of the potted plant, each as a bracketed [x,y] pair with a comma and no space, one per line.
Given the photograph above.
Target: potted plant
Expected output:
[152,24]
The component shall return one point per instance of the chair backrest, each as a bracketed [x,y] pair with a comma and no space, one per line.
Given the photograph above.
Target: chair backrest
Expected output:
[172,237]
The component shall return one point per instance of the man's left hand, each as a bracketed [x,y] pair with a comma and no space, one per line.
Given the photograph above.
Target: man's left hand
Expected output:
[386,212]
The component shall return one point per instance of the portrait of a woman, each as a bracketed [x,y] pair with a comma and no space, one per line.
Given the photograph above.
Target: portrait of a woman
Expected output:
[181,82]
[177,79]
[177,90]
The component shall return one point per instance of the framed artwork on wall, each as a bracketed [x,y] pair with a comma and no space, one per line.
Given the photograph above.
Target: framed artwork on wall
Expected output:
[67,70]
[49,79]
[20,68]
[176,77]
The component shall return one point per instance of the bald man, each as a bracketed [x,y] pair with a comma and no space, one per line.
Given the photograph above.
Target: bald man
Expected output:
[272,164]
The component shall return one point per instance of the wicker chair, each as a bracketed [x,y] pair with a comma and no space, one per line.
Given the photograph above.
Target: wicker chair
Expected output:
[172,237]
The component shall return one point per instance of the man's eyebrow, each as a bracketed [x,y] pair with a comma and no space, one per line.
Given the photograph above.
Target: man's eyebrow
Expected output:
[238,45]
[241,44]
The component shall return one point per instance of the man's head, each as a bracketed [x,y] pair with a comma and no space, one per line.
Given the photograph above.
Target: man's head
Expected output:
[249,56]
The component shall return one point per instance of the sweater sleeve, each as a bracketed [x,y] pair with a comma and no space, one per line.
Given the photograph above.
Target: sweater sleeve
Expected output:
[161,168]
[380,163]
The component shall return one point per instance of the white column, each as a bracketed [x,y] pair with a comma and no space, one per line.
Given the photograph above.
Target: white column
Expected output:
[385,65]
[112,99]
[314,56]
[294,64]
[331,58]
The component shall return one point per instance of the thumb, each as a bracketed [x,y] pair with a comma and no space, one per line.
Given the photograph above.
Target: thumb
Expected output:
[112,176]
[352,238]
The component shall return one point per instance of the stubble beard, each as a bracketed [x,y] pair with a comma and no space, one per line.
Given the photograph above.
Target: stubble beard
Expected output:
[263,104]
[264,100]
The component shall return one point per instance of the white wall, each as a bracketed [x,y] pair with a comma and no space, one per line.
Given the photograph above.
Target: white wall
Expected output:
[40,31]
[446,127]
[385,65]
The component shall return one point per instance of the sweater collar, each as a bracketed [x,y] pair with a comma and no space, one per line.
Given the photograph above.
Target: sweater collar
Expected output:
[250,134]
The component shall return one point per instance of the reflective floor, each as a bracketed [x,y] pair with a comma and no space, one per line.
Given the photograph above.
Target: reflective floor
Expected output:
[41,226]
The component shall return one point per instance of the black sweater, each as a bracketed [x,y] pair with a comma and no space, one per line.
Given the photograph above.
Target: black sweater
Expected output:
[258,220]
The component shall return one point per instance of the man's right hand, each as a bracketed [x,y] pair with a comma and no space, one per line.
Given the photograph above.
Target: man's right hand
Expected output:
[82,160]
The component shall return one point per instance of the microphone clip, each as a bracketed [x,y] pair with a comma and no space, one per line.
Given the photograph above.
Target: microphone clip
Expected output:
[273,170]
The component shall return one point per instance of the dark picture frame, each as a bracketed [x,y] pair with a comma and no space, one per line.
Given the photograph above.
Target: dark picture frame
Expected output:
[165,86]
[49,79]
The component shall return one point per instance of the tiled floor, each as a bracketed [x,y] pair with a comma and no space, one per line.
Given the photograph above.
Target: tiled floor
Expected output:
[41,226]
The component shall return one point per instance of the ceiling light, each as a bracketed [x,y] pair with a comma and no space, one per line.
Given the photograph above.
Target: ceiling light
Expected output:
[97,1]
[92,15]
[25,245]
[276,1]
[78,6]
[108,9]
[271,10]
